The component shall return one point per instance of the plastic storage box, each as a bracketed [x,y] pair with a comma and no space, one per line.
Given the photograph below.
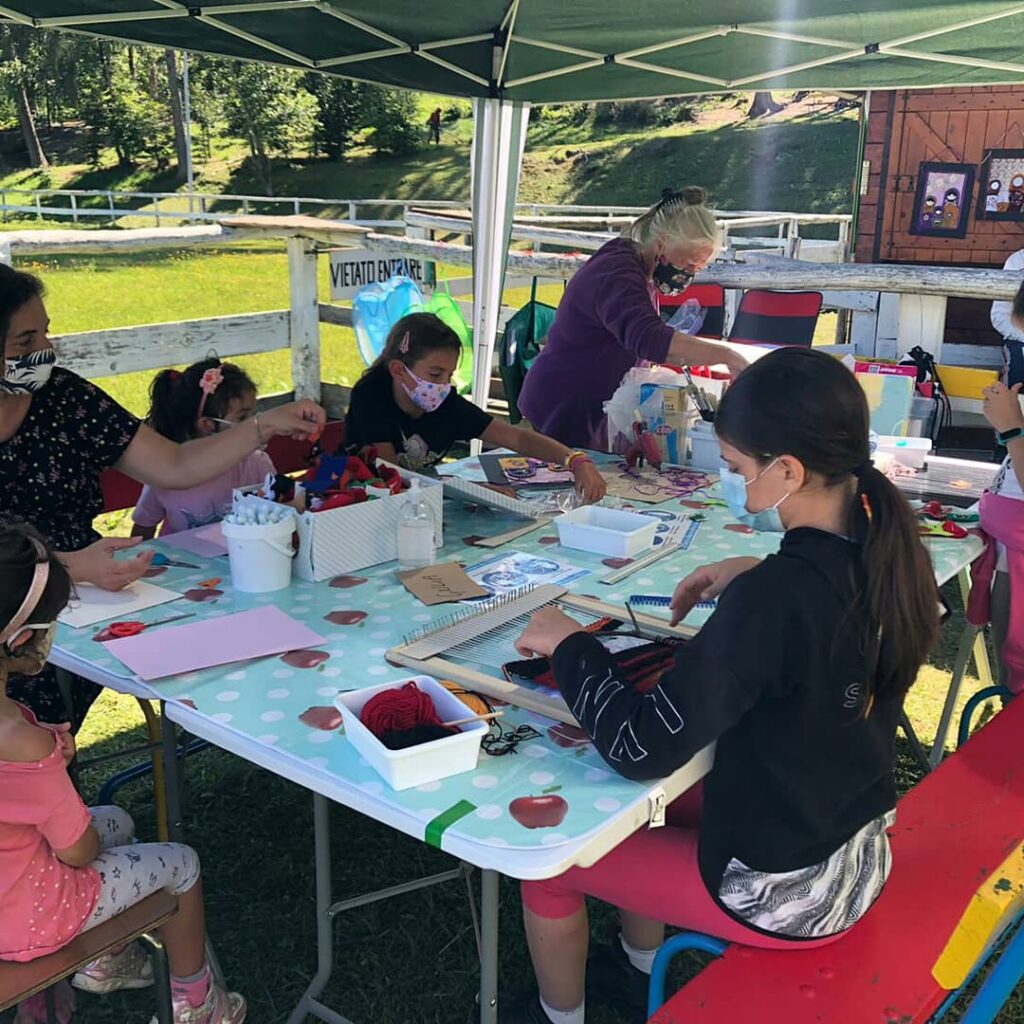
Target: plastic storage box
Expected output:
[426,762]
[910,451]
[606,531]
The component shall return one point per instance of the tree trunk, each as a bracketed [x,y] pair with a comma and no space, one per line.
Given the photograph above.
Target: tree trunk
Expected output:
[36,156]
[763,105]
[178,116]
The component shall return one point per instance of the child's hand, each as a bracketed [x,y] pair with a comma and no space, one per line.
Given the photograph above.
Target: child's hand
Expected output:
[547,629]
[1002,407]
[66,741]
[589,482]
[706,583]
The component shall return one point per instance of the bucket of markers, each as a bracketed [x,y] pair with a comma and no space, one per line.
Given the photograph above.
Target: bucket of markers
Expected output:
[259,536]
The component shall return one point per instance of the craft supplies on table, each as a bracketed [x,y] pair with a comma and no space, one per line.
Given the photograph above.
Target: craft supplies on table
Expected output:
[91,604]
[119,630]
[467,646]
[210,642]
[651,486]
[908,451]
[606,531]
[660,601]
[704,450]
[260,550]
[161,560]
[343,540]
[513,570]
[424,762]
[520,471]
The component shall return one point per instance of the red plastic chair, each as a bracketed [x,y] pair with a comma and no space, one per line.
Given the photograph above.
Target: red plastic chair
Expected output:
[776,318]
[710,296]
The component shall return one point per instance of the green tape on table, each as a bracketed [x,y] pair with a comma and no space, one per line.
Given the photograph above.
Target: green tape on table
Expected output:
[436,828]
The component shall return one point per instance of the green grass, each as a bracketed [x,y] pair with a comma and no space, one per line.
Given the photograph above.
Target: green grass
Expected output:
[411,959]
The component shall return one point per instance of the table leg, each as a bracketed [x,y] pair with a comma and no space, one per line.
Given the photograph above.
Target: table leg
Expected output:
[309,1004]
[172,776]
[489,947]
[981,661]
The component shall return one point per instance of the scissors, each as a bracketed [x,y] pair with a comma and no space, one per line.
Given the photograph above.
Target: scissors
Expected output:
[161,559]
[120,630]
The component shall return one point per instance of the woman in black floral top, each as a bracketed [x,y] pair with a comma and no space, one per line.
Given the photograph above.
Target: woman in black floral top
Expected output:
[58,432]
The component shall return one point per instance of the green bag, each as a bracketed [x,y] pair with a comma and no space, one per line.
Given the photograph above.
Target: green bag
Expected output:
[447,310]
[520,346]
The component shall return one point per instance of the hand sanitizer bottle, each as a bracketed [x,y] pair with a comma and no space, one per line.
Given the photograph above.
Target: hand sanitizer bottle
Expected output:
[415,531]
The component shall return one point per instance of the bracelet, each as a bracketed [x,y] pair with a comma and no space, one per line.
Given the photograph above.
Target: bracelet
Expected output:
[575,456]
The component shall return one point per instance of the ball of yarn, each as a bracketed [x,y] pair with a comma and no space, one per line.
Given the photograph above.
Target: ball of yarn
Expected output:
[398,710]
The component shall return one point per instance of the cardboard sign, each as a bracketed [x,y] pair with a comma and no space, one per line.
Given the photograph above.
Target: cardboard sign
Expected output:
[353,268]
[439,584]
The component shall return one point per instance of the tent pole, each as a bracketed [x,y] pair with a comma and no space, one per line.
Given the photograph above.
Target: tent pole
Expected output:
[499,135]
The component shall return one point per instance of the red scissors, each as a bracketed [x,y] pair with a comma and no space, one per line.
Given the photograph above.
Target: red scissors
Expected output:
[120,630]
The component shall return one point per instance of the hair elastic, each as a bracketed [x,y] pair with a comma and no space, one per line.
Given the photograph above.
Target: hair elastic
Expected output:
[35,591]
[865,503]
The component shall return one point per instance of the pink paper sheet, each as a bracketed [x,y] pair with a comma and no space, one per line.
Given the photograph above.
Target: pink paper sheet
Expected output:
[172,650]
[205,541]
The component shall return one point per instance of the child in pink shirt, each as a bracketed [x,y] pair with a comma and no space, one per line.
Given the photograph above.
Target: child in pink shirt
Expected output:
[208,397]
[63,868]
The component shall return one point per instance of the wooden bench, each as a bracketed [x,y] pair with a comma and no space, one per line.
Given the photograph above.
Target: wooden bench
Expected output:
[957,885]
[18,981]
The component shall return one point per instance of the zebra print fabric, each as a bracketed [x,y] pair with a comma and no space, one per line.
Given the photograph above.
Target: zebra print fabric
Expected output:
[817,901]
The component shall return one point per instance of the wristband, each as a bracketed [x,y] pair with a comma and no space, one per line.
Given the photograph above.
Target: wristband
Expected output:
[575,456]
[1009,435]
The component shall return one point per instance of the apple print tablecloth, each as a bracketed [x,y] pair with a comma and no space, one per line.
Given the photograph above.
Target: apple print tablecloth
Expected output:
[553,791]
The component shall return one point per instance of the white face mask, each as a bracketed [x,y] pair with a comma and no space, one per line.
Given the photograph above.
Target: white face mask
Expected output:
[28,374]
[426,395]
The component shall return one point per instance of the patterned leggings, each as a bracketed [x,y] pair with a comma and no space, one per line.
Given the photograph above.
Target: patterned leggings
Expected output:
[129,873]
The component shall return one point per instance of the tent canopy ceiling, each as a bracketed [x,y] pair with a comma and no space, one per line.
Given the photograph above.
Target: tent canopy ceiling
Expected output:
[548,51]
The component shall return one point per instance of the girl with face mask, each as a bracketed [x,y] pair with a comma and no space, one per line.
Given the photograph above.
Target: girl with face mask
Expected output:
[404,406]
[799,676]
[607,320]
[207,398]
[65,868]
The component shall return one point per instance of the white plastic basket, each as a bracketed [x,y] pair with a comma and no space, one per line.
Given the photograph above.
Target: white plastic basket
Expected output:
[606,531]
[425,762]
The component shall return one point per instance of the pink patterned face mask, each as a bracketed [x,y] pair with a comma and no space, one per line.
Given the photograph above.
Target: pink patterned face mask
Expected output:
[426,395]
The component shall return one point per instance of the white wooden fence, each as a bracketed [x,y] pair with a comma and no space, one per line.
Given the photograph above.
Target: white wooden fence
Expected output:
[916,295]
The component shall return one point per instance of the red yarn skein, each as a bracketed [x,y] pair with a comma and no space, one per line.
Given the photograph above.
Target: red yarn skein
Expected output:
[399,710]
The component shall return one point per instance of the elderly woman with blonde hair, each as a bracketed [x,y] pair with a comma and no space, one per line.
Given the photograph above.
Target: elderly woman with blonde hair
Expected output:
[608,320]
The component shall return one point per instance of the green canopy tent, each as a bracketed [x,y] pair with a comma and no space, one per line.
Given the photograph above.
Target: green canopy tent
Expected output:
[505,54]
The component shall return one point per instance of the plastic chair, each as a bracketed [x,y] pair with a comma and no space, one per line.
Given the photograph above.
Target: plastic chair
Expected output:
[963,733]
[776,318]
[676,944]
[712,299]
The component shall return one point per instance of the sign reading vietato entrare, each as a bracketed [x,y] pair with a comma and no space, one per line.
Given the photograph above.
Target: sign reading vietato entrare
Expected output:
[353,268]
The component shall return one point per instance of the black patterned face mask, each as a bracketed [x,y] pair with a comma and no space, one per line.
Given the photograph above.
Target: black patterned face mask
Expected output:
[28,374]
[670,279]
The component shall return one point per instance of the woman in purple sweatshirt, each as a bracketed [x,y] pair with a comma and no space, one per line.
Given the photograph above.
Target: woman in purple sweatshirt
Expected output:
[608,320]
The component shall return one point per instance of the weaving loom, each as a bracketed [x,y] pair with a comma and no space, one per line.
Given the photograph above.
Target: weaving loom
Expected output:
[468,646]
[480,494]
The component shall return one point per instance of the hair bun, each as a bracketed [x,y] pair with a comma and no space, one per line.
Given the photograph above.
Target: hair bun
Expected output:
[694,195]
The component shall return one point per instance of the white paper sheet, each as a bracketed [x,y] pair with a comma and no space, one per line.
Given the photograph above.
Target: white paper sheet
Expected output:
[90,604]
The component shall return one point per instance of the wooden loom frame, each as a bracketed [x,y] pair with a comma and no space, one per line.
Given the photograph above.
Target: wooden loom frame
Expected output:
[552,706]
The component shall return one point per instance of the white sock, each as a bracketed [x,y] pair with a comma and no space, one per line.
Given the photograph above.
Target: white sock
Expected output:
[641,959]
[564,1016]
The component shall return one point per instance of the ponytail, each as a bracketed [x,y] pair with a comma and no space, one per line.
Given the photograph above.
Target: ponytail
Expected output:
[803,403]
[899,599]
[176,397]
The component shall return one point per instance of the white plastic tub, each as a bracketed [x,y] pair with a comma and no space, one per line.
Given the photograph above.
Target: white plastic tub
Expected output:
[426,762]
[606,531]
[261,557]
[910,451]
[704,451]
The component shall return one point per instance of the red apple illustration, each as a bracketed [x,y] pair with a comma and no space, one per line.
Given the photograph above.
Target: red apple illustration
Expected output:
[568,735]
[345,582]
[539,811]
[342,618]
[321,717]
[155,570]
[305,659]
[616,563]
[739,528]
[694,504]
[547,540]
[189,703]
[200,595]
[472,540]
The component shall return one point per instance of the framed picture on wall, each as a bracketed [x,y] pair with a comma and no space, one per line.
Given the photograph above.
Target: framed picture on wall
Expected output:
[1001,196]
[943,200]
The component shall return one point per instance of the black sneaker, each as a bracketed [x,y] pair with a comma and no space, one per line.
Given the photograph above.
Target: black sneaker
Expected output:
[614,982]
[524,1009]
